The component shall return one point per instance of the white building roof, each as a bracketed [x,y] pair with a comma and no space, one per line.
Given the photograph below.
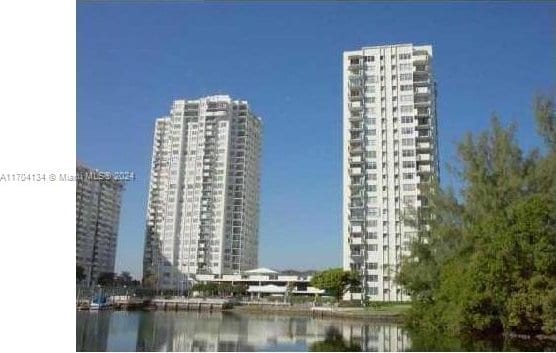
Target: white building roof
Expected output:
[261,270]
[271,288]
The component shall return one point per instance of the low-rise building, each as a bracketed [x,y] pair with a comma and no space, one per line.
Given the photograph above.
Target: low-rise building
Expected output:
[264,282]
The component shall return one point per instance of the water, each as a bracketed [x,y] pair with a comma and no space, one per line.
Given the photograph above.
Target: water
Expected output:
[201,331]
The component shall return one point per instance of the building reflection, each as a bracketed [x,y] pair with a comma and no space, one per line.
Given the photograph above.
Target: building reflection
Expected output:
[92,331]
[206,332]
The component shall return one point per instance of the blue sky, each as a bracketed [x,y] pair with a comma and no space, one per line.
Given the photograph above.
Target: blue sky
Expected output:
[133,59]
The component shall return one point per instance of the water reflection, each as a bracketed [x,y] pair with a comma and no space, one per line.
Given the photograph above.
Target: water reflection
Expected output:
[92,331]
[193,331]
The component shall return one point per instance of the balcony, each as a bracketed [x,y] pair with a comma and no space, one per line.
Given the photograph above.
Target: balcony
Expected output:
[356,128]
[422,103]
[355,107]
[355,82]
[356,241]
[423,123]
[355,97]
[356,159]
[355,171]
[420,59]
[424,158]
[355,64]
[423,146]
[356,150]
[422,91]
[424,168]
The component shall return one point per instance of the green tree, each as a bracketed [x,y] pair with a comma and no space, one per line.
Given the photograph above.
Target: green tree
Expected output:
[150,281]
[486,261]
[106,278]
[240,289]
[336,281]
[80,274]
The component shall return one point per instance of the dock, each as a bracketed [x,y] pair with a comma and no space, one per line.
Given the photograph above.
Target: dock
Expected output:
[192,304]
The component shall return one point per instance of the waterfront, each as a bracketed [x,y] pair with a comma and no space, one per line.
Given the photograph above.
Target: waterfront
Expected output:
[230,331]
[204,331]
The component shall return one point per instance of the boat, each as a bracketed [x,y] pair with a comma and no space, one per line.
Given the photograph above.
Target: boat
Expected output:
[99,302]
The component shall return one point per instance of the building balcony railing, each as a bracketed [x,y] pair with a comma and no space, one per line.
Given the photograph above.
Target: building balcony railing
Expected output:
[356,241]
[418,81]
[420,91]
[356,159]
[355,171]
[356,106]
[421,102]
[420,58]
[423,146]
[423,158]
[355,83]
[424,169]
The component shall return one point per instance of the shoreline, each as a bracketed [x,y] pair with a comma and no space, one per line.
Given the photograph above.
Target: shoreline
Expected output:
[360,314]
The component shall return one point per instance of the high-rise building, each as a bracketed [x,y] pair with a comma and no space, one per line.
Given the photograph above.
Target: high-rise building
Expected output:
[390,155]
[98,202]
[203,208]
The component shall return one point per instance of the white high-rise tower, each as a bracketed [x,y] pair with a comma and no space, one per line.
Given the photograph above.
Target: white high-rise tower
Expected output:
[203,209]
[390,153]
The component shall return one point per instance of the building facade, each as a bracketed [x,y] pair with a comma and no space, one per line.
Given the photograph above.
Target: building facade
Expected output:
[203,208]
[390,154]
[263,282]
[98,203]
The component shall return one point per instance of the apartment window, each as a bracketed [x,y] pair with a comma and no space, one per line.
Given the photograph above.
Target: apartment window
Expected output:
[372,121]
[372,79]
[408,187]
[408,176]
[405,67]
[372,165]
[372,223]
[372,200]
[372,266]
[405,56]
[372,132]
[407,119]
[373,212]
[408,153]
[372,247]
[407,131]
[372,235]
[408,142]
[410,200]
[371,154]
[369,58]
[406,77]
[408,164]
[406,108]
[372,278]
[406,98]
[371,188]
[373,291]
[406,87]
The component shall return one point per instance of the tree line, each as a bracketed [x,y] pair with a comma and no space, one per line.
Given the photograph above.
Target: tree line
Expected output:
[486,261]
